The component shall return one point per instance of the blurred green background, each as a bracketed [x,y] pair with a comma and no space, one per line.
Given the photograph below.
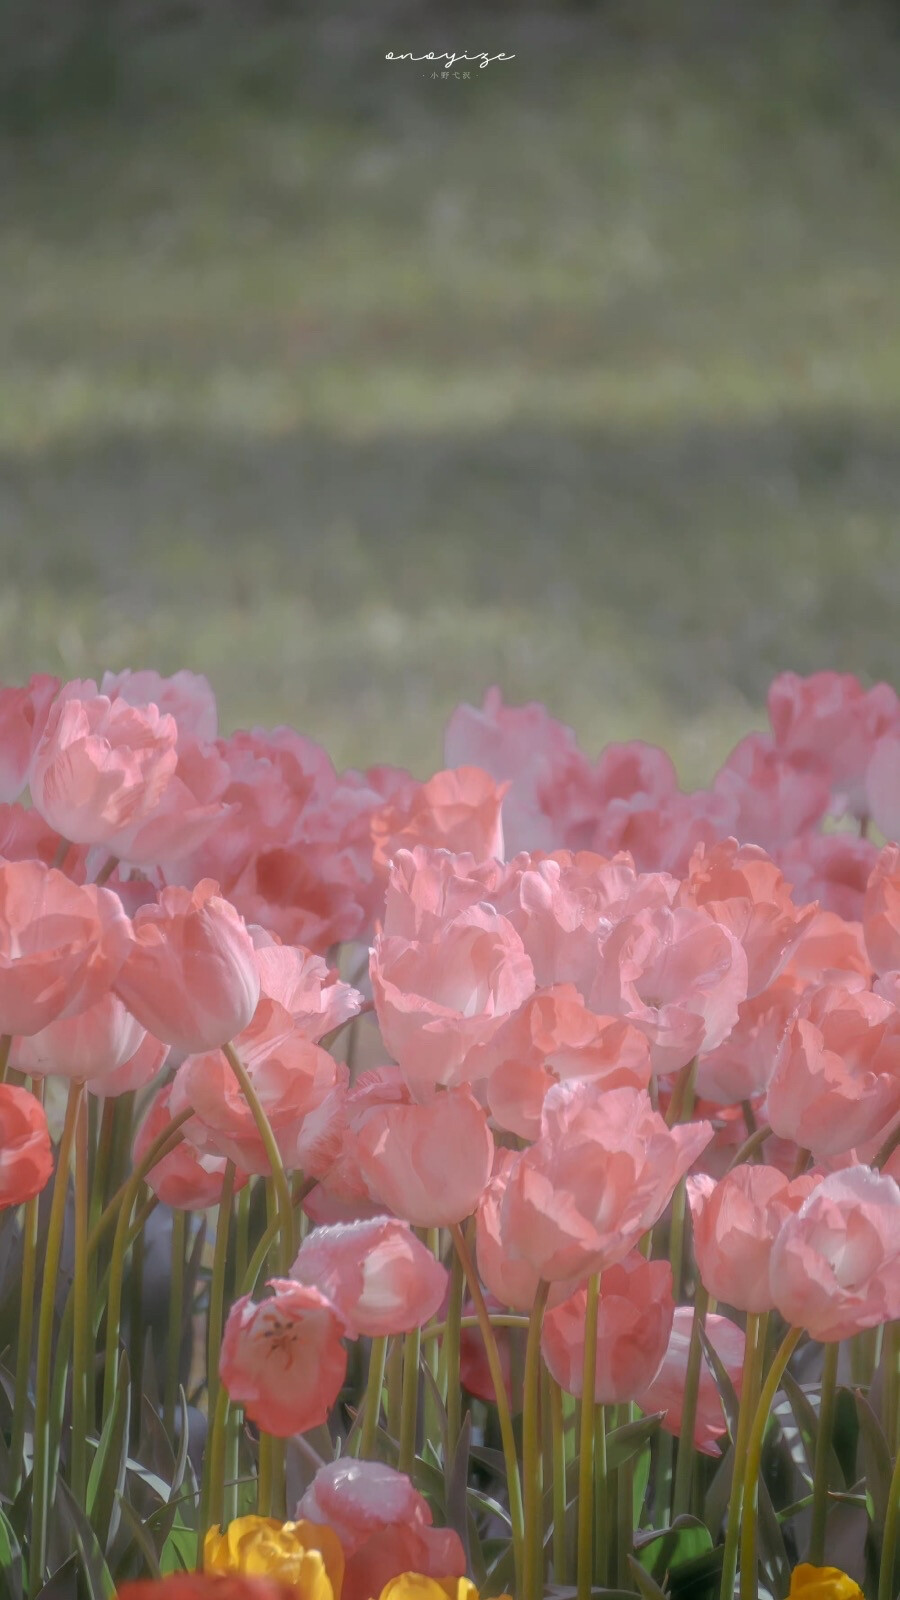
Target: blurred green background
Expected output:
[359,390]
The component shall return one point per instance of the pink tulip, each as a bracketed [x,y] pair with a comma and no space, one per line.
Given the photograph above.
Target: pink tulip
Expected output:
[740,1067]
[552,1037]
[24,836]
[510,1279]
[881,911]
[26,1155]
[344,1195]
[61,945]
[776,796]
[741,888]
[283,1359]
[835,1266]
[96,1045]
[291,1078]
[186,696]
[831,869]
[836,1081]
[427,1163]
[101,766]
[455,810]
[883,784]
[634,1322]
[383,1523]
[735,1223]
[678,975]
[378,1274]
[831,951]
[831,718]
[427,889]
[304,986]
[23,715]
[666,1392]
[521,744]
[437,1000]
[188,810]
[191,975]
[186,1179]
[601,1174]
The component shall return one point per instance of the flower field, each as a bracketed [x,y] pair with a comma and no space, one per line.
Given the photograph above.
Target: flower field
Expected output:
[486,1185]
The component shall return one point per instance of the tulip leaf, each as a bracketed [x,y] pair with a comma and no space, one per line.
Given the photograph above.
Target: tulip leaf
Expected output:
[96,1579]
[107,1475]
[771,1541]
[10,1561]
[807,1421]
[140,1537]
[180,1549]
[625,1442]
[640,1478]
[456,1478]
[63,1584]
[845,1435]
[685,1539]
[646,1585]
[718,1494]
[877,1459]
[731,1405]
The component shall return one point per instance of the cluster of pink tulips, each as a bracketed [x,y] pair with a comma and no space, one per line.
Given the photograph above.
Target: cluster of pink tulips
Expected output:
[489,1180]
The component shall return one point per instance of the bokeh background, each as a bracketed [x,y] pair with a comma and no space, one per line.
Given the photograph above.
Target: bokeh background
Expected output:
[360,390]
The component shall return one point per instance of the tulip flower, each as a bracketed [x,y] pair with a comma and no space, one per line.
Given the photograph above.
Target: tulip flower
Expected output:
[23,715]
[666,1391]
[384,1526]
[100,766]
[283,1359]
[190,975]
[823,1583]
[377,1273]
[830,718]
[427,1163]
[26,1155]
[634,1321]
[602,1172]
[836,1082]
[61,945]
[455,810]
[302,1554]
[735,1224]
[835,1265]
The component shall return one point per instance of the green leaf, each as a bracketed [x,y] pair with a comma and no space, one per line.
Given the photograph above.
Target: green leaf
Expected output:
[845,1436]
[646,1585]
[11,1583]
[140,1537]
[625,1442]
[876,1458]
[731,1405]
[806,1418]
[639,1481]
[686,1539]
[179,1552]
[107,1475]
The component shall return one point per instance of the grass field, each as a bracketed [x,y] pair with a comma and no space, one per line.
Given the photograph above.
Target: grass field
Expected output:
[360,391]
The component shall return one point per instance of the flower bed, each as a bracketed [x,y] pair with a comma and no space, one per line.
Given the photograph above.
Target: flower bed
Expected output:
[484,1181]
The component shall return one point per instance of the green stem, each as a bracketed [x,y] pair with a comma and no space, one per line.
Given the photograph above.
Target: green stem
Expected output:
[586,1455]
[827,1399]
[891,1399]
[23,1347]
[264,1486]
[242,1237]
[409,1410]
[625,1511]
[213,1493]
[279,1176]
[754,1460]
[533,1567]
[886,1589]
[374,1385]
[750,1146]
[558,1469]
[754,1352]
[215,1321]
[176,1320]
[42,1441]
[82,1340]
[136,1328]
[684,1465]
[508,1438]
[5,1047]
[450,1352]
[394,1387]
[601,1499]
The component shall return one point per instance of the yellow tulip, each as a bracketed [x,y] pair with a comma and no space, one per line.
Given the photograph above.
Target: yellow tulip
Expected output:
[414,1586]
[303,1554]
[823,1583]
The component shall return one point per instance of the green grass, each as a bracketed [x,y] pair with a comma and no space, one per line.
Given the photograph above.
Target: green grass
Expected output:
[360,391]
